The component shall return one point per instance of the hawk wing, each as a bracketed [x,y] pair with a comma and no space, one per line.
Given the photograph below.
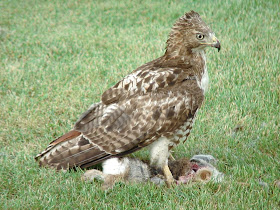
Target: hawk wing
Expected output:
[145,105]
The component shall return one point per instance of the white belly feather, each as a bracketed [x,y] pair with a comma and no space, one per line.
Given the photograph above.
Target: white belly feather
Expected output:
[205,80]
[203,84]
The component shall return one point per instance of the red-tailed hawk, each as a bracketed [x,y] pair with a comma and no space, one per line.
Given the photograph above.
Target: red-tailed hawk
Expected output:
[155,105]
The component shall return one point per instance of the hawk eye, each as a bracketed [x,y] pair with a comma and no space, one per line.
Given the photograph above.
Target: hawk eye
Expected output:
[200,36]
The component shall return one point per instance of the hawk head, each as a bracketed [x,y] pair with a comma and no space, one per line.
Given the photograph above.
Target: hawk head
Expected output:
[190,33]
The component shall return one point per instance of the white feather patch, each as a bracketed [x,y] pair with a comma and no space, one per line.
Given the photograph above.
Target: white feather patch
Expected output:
[115,166]
[204,83]
[159,151]
[205,78]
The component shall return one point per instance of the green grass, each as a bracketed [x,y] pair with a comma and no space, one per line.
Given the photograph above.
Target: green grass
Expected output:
[57,57]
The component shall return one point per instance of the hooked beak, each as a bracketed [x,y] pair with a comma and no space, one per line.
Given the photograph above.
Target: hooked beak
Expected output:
[216,43]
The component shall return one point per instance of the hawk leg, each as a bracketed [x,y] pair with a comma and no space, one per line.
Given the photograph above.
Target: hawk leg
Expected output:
[169,180]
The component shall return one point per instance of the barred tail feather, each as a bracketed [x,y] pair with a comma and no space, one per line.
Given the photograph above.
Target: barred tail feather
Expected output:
[69,152]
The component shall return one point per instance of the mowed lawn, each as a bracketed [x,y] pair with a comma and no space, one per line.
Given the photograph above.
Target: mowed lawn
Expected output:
[57,57]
